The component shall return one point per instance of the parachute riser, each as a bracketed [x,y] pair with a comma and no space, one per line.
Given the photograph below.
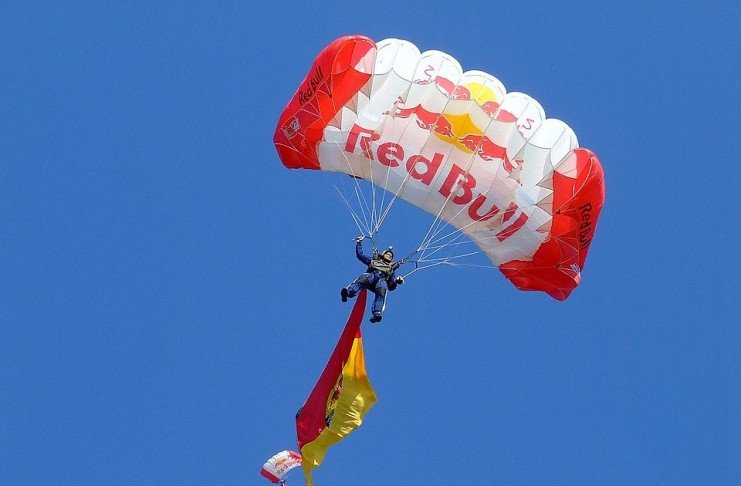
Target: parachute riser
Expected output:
[416,267]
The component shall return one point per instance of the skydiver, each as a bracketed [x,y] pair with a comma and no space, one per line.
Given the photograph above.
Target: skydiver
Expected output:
[378,278]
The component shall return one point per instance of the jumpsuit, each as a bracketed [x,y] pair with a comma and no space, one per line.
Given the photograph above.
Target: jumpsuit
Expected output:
[378,278]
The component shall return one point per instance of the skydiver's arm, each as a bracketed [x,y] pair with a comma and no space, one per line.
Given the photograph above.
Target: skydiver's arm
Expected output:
[359,253]
[393,281]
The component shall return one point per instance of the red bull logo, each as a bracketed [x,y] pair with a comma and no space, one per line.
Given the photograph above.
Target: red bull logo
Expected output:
[459,129]
[473,142]
[457,186]
[483,147]
[424,118]
[292,129]
[483,96]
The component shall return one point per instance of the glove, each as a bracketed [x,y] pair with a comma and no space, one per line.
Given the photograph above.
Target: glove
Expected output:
[359,238]
[399,280]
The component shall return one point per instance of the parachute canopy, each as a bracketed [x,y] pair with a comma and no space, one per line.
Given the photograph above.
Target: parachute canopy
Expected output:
[277,467]
[455,144]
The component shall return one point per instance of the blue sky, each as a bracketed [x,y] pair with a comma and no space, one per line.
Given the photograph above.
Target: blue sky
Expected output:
[169,290]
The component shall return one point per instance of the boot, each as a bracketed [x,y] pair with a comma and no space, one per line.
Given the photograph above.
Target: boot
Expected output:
[343,294]
[376,318]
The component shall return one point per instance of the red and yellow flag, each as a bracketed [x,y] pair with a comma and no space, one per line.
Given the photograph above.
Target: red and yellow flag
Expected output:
[340,399]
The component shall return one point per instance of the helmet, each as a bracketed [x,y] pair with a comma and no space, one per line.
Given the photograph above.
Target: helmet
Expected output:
[390,249]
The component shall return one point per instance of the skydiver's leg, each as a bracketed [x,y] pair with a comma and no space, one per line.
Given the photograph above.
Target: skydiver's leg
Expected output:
[379,303]
[362,282]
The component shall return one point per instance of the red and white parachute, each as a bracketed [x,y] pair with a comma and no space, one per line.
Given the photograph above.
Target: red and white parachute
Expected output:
[277,467]
[456,144]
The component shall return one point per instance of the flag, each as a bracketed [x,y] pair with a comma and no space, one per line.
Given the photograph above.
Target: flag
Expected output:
[340,399]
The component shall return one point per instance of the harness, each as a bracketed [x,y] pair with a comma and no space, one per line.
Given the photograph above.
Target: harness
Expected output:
[378,265]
